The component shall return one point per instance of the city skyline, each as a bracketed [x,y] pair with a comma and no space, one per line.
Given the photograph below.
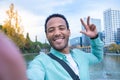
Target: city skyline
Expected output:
[34,13]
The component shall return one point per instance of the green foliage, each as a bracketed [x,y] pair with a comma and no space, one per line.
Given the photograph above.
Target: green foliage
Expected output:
[29,57]
[114,48]
[46,46]
[31,47]
[0,27]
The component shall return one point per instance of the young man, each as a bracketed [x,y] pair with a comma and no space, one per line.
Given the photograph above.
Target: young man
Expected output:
[43,67]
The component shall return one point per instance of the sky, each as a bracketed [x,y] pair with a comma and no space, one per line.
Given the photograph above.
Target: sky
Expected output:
[33,13]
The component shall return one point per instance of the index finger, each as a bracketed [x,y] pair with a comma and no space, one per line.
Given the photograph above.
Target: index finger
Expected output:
[88,20]
[85,26]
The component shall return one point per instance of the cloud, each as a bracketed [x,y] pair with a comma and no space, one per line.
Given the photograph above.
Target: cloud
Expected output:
[33,24]
[3,14]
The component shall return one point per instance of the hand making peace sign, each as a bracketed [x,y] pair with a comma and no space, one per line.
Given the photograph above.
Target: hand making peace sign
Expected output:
[90,29]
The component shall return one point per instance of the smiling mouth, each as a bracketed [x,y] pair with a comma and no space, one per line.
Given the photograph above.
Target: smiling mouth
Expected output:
[58,38]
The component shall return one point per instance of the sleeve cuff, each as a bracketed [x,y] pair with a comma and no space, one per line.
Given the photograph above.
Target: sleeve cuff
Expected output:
[95,37]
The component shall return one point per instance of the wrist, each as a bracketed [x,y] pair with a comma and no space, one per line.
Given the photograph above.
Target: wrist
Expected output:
[95,37]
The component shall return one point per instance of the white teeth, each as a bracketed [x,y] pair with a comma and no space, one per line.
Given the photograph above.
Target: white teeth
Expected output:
[58,40]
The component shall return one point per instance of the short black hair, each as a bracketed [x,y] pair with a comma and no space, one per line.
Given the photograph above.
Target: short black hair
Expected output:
[55,15]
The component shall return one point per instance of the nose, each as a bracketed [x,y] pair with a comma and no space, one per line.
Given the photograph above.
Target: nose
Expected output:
[57,32]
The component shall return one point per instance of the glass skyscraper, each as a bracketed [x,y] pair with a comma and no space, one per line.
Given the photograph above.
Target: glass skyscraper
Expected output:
[111,24]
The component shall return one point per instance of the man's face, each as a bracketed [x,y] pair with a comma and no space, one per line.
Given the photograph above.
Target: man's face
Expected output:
[57,33]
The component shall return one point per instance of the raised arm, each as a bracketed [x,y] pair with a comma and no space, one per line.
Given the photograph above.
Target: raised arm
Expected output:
[96,43]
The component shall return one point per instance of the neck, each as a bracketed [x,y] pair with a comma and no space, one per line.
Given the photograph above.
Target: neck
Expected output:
[65,50]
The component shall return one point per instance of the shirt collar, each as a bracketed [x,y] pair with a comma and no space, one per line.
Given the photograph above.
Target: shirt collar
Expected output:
[59,54]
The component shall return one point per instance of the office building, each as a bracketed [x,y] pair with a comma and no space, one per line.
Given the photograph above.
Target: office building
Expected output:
[111,24]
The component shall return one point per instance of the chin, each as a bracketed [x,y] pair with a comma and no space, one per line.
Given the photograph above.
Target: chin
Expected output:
[60,47]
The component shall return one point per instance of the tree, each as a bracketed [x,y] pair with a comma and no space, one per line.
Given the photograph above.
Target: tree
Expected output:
[32,47]
[0,27]
[12,27]
[46,47]
[28,43]
[114,48]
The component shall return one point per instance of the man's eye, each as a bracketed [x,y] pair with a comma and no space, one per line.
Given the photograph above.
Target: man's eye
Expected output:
[50,30]
[61,28]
